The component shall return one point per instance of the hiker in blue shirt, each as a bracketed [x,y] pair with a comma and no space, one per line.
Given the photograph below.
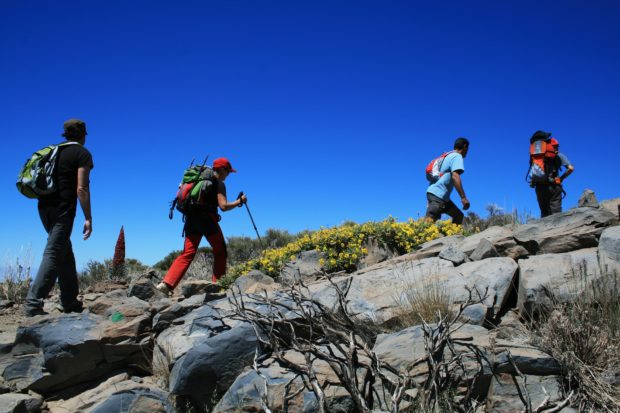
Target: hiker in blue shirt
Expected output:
[438,193]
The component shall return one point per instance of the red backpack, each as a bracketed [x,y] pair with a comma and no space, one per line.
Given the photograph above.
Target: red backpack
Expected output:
[433,169]
[543,159]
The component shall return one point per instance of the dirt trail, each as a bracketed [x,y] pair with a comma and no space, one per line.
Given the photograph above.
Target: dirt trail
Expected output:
[10,320]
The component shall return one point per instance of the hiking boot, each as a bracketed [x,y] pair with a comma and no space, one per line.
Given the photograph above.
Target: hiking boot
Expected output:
[163,287]
[76,307]
[34,311]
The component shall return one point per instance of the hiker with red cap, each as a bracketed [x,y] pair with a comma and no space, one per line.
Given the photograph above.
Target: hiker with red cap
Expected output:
[546,164]
[202,220]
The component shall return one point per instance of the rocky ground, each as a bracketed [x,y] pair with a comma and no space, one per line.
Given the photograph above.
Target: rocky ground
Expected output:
[135,350]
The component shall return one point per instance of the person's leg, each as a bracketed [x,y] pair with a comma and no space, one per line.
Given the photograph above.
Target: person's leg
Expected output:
[68,282]
[452,210]
[58,241]
[182,262]
[555,199]
[542,196]
[218,244]
[435,206]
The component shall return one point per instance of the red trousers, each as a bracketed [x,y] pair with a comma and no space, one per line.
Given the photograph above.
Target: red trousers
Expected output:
[195,229]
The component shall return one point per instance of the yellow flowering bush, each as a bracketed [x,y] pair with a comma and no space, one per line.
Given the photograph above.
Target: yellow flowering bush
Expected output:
[343,247]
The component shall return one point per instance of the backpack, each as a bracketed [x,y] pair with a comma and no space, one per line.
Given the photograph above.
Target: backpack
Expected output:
[37,177]
[197,183]
[434,167]
[544,162]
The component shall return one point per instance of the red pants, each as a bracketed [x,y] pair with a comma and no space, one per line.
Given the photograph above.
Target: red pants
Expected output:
[196,228]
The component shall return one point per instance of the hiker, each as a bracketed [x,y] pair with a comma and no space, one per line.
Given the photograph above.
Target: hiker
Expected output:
[546,164]
[57,212]
[202,220]
[449,168]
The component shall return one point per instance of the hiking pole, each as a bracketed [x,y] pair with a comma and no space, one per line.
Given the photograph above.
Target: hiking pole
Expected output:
[251,219]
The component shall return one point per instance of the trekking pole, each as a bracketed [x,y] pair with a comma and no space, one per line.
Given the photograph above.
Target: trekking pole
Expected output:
[251,219]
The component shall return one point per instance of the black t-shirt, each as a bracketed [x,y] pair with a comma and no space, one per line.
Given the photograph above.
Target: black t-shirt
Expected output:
[70,158]
[210,204]
[219,188]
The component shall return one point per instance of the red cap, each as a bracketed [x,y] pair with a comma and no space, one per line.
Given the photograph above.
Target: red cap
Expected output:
[223,163]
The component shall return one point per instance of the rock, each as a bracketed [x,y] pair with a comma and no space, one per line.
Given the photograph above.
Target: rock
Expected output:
[117,394]
[54,354]
[567,231]
[612,205]
[376,253]
[501,238]
[306,266]
[504,396]
[117,301]
[213,365]
[206,350]
[483,251]
[382,293]
[453,254]
[20,403]
[499,275]
[5,304]
[143,286]
[609,250]
[400,350]
[255,281]
[528,360]
[588,199]
[168,315]
[432,248]
[517,252]
[548,277]
[248,390]
[194,287]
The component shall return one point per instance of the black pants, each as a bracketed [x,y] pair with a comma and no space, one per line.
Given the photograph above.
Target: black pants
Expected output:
[58,260]
[549,199]
[437,206]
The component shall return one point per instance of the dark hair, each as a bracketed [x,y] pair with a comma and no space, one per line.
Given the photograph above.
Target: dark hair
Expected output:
[73,135]
[461,143]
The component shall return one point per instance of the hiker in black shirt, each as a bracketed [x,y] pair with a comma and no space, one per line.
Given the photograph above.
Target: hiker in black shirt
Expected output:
[57,213]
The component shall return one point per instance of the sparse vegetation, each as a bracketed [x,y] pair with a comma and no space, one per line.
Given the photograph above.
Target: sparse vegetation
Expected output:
[496,216]
[419,302]
[96,271]
[584,337]
[16,278]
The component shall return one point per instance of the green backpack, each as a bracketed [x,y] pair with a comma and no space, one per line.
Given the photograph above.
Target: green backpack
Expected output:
[37,177]
[197,183]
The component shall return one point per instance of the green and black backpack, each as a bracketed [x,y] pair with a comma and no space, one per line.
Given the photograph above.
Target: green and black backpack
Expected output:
[197,183]
[37,178]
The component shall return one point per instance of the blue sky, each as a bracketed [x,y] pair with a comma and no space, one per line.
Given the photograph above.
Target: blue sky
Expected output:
[330,110]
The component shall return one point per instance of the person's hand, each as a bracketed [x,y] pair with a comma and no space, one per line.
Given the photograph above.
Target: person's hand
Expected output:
[88,229]
[558,181]
[465,202]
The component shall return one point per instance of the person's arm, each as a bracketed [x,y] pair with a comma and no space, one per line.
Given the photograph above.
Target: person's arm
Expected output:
[83,194]
[458,184]
[566,164]
[569,170]
[227,206]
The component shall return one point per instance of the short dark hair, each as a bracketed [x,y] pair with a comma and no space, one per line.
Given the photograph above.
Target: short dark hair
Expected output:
[461,143]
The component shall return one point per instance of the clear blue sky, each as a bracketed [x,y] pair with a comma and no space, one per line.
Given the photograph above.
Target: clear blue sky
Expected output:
[330,110]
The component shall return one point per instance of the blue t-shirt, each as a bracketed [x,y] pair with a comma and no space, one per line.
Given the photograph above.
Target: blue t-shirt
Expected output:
[564,162]
[444,185]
